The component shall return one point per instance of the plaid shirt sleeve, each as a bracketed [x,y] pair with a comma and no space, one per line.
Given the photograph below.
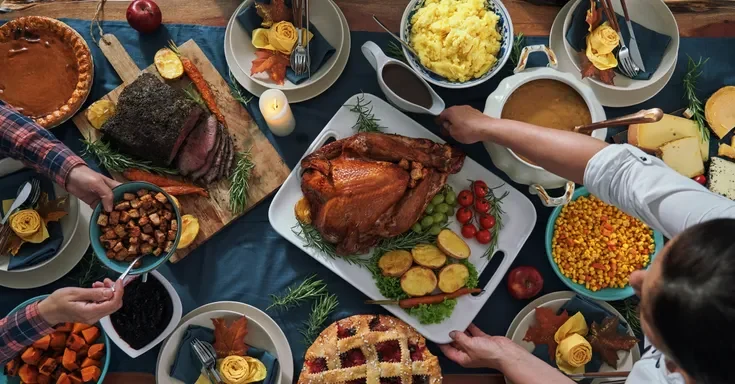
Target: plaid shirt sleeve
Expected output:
[20,330]
[35,146]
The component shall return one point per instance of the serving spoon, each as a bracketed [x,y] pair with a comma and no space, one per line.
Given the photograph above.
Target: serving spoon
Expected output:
[644,116]
[127,271]
[405,45]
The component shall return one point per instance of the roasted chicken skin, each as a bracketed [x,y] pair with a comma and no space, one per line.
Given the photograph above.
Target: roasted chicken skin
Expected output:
[373,185]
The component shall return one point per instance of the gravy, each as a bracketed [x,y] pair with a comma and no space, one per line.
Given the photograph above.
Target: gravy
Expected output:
[548,103]
[406,85]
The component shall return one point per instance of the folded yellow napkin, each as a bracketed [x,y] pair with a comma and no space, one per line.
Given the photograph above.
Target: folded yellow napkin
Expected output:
[573,353]
[238,370]
[600,45]
[281,37]
[574,325]
[29,226]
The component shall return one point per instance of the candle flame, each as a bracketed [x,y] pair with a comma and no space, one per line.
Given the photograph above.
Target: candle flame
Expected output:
[275,105]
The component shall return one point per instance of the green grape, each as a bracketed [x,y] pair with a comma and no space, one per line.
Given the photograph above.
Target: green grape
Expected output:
[450,198]
[417,228]
[438,199]
[427,221]
[429,209]
[439,218]
[442,208]
[435,229]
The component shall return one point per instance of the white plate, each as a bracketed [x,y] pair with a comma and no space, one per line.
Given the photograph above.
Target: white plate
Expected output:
[295,95]
[69,223]
[263,333]
[325,16]
[519,219]
[175,318]
[526,317]
[608,97]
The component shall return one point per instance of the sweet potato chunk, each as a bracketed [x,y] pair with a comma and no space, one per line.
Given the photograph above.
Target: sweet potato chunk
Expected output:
[96,351]
[12,367]
[91,334]
[70,360]
[82,352]
[42,343]
[75,342]
[58,340]
[31,356]
[91,374]
[28,374]
[75,379]
[91,362]
[79,327]
[65,327]
[63,379]
[43,379]
[47,366]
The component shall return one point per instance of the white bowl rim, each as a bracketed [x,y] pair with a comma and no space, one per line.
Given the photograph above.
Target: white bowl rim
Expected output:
[172,325]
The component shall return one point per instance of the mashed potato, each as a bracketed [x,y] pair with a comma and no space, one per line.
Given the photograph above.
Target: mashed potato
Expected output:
[456,38]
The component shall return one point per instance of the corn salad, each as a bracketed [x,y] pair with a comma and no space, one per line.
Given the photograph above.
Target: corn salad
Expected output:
[598,246]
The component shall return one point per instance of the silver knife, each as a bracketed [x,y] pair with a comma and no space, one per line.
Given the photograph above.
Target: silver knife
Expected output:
[633,44]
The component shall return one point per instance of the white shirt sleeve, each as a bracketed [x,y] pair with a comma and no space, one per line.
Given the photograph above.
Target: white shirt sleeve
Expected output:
[643,186]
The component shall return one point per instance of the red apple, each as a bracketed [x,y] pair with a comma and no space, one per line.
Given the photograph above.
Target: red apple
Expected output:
[144,16]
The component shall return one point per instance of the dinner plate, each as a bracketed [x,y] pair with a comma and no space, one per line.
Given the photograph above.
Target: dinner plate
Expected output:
[608,97]
[526,317]
[315,88]
[265,334]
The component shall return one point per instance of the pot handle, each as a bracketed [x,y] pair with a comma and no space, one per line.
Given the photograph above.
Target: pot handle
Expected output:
[527,50]
[555,201]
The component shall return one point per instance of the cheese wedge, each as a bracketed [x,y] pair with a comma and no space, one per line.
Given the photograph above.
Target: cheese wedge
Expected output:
[726,150]
[721,178]
[720,111]
[669,128]
[684,156]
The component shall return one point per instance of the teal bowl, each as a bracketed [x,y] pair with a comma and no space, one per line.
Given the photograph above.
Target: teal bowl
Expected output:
[148,263]
[16,380]
[605,294]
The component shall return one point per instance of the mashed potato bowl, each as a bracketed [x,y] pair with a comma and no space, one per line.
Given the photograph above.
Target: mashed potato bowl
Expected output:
[465,41]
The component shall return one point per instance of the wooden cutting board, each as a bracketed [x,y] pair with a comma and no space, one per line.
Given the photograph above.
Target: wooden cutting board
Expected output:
[269,173]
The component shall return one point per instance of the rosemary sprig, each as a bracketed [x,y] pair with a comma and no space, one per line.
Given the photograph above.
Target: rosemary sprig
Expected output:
[193,94]
[308,289]
[237,91]
[406,241]
[630,311]
[313,239]
[395,51]
[320,311]
[89,270]
[496,210]
[115,161]
[695,109]
[519,41]
[239,182]
[366,120]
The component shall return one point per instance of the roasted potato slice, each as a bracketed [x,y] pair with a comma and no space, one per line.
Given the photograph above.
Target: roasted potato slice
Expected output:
[452,245]
[418,281]
[427,255]
[453,277]
[395,263]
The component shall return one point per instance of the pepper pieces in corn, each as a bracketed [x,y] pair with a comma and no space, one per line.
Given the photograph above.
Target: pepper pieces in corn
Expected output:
[599,246]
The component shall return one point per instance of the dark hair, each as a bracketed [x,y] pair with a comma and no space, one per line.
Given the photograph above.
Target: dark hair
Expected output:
[693,309]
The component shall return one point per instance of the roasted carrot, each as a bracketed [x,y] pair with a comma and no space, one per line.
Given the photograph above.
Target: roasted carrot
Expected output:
[185,190]
[435,299]
[196,77]
[161,181]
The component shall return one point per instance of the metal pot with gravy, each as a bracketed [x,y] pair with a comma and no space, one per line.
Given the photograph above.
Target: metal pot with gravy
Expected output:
[548,98]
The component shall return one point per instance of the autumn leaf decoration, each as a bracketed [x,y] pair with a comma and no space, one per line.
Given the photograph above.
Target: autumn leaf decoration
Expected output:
[273,62]
[230,341]
[594,19]
[274,12]
[52,210]
[547,323]
[606,340]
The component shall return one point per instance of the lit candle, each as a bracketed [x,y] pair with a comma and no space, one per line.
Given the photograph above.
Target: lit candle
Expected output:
[276,112]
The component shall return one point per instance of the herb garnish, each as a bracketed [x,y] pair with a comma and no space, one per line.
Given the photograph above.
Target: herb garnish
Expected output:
[496,210]
[519,42]
[115,161]
[236,91]
[695,111]
[308,289]
[313,239]
[239,182]
[366,120]
[395,51]
[320,311]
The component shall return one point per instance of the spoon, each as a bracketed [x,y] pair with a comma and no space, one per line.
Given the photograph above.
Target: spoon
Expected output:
[127,271]
[405,44]
[23,194]
[644,116]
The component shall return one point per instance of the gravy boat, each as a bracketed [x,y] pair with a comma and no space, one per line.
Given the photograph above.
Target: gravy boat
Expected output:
[378,60]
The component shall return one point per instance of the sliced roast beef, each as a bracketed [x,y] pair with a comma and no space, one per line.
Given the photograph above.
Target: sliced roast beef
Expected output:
[225,155]
[209,160]
[213,172]
[200,142]
[230,156]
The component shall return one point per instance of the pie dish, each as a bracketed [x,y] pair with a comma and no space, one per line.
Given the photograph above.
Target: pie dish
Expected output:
[47,69]
[370,349]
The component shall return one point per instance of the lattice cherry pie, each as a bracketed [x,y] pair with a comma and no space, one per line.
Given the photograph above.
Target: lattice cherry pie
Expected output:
[370,349]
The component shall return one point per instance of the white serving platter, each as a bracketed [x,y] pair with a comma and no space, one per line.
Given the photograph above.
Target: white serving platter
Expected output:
[518,221]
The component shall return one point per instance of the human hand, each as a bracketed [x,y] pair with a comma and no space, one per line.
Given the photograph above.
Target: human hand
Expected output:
[464,123]
[476,350]
[91,187]
[82,305]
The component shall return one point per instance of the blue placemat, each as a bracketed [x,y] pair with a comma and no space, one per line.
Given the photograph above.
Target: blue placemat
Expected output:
[248,260]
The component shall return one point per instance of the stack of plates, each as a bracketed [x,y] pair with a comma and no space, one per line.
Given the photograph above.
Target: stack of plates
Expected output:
[327,18]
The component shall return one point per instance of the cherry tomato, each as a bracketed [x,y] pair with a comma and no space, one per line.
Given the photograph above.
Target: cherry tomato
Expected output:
[700,179]
[468,231]
[483,236]
[464,215]
[480,188]
[482,206]
[465,198]
[487,221]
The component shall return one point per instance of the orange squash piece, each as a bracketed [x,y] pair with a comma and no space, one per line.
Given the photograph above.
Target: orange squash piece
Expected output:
[43,343]
[79,327]
[74,378]
[82,352]
[91,363]
[91,374]
[70,360]
[96,351]
[91,334]
[28,374]
[47,366]
[43,379]
[31,356]
[63,379]
[58,340]
[64,327]
[75,342]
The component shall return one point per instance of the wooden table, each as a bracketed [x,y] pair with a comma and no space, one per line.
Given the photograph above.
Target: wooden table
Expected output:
[700,18]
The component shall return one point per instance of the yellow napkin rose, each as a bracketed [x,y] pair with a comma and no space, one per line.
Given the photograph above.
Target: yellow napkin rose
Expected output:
[573,353]
[281,37]
[29,226]
[241,369]
[600,45]
[574,325]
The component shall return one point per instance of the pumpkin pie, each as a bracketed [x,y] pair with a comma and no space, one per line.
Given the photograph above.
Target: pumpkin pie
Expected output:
[46,71]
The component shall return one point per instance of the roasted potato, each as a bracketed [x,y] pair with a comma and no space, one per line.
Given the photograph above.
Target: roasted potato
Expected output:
[453,277]
[427,255]
[452,245]
[418,281]
[395,263]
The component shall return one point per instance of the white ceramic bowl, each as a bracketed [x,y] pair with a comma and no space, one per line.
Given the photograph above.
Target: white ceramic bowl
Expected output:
[175,318]
[324,16]
[505,27]
[652,14]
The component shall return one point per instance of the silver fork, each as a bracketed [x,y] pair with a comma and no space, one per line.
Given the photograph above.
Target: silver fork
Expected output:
[299,56]
[35,192]
[208,359]
[628,66]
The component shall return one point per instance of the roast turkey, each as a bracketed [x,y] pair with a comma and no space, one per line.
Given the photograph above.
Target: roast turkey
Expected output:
[372,186]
